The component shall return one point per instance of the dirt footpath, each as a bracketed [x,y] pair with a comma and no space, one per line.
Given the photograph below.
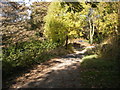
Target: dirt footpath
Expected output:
[61,72]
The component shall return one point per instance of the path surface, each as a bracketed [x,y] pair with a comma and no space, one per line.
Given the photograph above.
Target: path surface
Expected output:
[61,72]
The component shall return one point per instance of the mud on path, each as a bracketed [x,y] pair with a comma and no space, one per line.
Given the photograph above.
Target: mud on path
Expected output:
[63,72]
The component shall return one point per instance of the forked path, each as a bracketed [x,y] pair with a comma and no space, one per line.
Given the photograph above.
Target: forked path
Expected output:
[61,72]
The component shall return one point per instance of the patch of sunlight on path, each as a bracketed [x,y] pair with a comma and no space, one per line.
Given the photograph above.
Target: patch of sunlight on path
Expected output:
[58,68]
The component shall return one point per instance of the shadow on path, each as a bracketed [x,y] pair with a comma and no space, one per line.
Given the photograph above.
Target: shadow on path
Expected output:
[67,77]
[63,73]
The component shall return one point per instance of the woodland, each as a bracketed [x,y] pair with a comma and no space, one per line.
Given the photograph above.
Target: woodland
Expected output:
[32,35]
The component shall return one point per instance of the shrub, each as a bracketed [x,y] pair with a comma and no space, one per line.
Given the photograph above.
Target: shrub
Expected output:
[24,54]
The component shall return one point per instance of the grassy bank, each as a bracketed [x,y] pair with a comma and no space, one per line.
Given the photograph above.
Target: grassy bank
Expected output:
[99,73]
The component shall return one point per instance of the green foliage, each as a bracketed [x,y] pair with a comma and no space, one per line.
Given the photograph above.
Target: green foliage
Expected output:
[54,27]
[93,22]
[99,73]
[25,54]
[56,31]
[73,6]
[60,22]
[107,21]
[62,19]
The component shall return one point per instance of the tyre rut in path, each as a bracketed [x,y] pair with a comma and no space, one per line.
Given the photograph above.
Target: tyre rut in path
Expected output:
[61,72]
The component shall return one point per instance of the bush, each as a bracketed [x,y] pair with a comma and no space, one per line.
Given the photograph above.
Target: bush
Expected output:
[24,54]
[111,48]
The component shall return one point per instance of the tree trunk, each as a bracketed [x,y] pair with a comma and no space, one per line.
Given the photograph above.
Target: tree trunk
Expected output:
[93,30]
[91,39]
[66,45]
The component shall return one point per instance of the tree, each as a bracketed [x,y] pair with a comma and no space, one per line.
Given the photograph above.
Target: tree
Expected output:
[63,21]
[108,19]
[13,19]
[38,11]
[12,11]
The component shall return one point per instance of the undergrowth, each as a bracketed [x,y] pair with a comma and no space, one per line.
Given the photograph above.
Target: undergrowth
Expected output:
[25,54]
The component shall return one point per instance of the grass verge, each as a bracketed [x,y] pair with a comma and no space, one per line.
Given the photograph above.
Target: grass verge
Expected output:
[99,73]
